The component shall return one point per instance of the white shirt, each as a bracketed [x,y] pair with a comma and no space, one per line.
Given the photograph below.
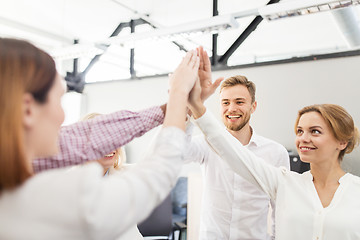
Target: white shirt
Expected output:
[81,204]
[299,213]
[232,207]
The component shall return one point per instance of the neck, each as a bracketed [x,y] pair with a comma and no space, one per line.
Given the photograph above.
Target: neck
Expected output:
[243,135]
[326,174]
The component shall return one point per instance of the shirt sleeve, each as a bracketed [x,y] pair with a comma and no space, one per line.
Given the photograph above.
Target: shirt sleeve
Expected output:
[91,139]
[130,197]
[241,160]
[195,150]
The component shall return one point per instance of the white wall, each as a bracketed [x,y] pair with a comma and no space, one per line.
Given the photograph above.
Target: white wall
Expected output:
[281,91]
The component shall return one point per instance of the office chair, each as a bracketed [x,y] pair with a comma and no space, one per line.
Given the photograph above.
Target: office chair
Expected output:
[158,225]
[179,207]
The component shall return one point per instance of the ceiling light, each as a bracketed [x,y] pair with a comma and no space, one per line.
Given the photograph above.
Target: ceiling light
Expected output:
[302,7]
[76,51]
[210,25]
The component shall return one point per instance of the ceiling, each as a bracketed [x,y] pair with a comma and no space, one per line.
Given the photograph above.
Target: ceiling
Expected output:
[53,25]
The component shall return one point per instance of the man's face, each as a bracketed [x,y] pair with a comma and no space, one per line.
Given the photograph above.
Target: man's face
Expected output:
[236,107]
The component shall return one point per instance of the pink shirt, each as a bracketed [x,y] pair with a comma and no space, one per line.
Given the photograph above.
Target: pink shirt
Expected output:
[92,139]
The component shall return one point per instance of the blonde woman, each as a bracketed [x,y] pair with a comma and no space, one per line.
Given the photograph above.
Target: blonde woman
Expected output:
[114,160]
[321,204]
[114,163]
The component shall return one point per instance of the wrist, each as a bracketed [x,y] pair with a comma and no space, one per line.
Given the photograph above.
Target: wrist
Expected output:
[197,110]
[178,93]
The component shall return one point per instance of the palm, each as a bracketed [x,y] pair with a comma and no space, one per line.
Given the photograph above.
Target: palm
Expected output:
[204,73]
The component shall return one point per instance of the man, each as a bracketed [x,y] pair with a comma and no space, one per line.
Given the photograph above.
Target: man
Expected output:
[233,208]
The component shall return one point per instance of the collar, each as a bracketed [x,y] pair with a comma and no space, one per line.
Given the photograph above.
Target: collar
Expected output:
[255,139]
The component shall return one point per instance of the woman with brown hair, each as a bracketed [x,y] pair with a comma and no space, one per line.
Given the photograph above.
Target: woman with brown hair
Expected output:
[78,204]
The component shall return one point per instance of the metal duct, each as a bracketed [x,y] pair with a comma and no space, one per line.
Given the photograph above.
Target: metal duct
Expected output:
[348,23]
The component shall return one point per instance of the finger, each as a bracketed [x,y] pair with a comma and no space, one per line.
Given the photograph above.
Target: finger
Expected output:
[193,60]
[201,55]
[217,82]
[197,63]
[187,57]
[206,60]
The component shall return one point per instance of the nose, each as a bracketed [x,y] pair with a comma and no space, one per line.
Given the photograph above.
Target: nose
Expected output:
[232,107]
[305,137]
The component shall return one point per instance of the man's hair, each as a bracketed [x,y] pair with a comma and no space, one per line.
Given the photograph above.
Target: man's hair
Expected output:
[240,80]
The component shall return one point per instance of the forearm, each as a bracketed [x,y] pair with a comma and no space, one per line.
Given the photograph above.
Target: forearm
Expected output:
[241,160]
[90,140]
[176,109]
[137,190]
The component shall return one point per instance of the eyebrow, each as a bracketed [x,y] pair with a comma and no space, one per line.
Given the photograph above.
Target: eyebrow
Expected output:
[311,127]
[225,99]
[315,127]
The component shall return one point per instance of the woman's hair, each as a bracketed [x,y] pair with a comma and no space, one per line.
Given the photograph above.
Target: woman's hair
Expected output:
[23,69]
[340,122]
[120,157]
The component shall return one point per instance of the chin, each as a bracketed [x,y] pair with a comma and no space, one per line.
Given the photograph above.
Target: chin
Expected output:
[305,159]
[51,151]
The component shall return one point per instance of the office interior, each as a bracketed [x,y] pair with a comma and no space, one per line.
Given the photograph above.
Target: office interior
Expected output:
[294,61]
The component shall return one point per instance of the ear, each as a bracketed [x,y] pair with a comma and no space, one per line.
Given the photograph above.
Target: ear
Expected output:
[253,107]
[342,145]
[28,110]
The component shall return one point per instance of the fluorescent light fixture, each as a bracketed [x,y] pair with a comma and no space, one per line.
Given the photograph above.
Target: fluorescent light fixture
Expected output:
[75,51]
[210,25]
[302,7]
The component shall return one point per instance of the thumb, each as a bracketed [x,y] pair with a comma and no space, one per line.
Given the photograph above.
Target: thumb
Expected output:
[217,82]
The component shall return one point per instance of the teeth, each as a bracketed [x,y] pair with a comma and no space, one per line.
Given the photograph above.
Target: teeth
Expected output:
[230,116]
[110,155]
[306,148]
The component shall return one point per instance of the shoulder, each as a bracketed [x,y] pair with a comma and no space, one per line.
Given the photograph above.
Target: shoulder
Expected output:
[354,179]
[269,143]
[66,177]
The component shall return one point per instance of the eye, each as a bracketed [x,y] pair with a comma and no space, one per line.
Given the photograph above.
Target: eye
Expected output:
[239,102]
[315,131]
[225,103]
[299,131]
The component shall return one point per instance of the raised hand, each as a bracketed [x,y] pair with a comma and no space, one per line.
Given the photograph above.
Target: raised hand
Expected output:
[181,83]
[207,86]
[185,75]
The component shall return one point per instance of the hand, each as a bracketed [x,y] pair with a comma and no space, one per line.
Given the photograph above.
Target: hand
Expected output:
[195,104]
[185,75]
[195,96]
[207,87]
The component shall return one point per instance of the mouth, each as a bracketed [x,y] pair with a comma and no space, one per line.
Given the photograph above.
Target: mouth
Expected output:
[110,155]
[235,116]
[306,149]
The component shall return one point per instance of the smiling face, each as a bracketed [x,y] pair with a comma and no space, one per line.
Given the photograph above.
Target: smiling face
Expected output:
[315,141]
[236,107]
[109,160]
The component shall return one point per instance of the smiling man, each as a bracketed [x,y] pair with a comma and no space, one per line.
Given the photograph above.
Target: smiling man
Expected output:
[233,208]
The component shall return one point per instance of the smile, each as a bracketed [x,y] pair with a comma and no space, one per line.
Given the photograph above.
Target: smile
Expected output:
[307,148]
[110,155]
[233,116]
